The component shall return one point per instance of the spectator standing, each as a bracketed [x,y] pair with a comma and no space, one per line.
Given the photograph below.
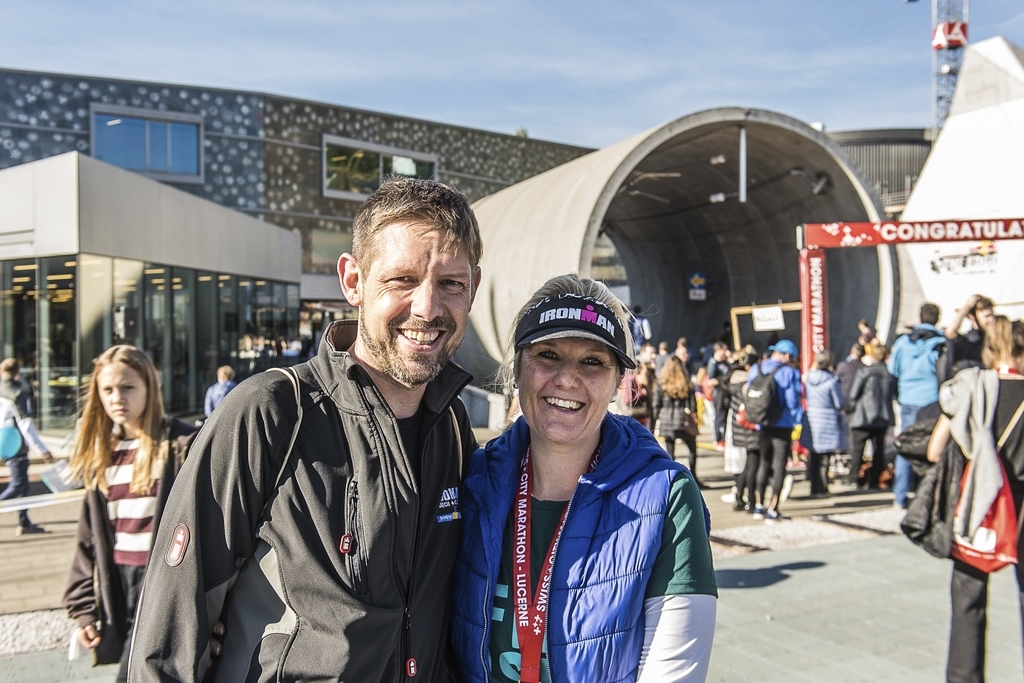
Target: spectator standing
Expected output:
[824,429]
[641,383]
[216,393]
[777,436]
[744,435]
[718,374]
[675,406]
[848,369]
[871,399]
[867,337]
[19,412]
[995,394]
[661,358]
[639,327]
[913,364]
[127,455]
[978,311]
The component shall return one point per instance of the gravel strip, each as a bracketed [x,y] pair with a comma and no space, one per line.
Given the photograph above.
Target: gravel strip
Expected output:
[883,520]
[39,631]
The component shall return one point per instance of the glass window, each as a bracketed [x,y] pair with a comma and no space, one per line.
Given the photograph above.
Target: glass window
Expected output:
[156,332]
[326,246]
[127,316]
[20,322]
[145,142]
[183,342]
[247,351]
[58,381]
[206,333]
[354,169]
[95,309]
[120,140]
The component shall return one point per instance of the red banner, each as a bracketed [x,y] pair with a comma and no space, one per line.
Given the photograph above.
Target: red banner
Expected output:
[814,297]
[828,235]
[949,34]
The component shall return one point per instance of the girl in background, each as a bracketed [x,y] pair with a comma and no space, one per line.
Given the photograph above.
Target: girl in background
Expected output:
[675,407]
[127,454]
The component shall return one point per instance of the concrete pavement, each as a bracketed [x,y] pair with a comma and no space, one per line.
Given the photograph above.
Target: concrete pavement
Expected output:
[832,595]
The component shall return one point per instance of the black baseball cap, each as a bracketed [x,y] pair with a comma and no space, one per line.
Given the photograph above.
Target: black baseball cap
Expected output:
[574,316]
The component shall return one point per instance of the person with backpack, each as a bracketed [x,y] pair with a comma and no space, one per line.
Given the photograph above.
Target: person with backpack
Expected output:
[913,364]
[871,415]
[773,401]
[318,511]
[15,414]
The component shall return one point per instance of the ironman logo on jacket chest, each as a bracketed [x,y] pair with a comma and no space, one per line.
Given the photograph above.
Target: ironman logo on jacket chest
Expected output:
[449,505]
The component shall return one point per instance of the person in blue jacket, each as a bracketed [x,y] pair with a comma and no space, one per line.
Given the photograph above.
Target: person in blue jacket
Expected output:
[585,552]
[777,437]
[912,362]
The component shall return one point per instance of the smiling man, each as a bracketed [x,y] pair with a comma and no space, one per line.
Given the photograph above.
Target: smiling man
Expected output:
[338,568]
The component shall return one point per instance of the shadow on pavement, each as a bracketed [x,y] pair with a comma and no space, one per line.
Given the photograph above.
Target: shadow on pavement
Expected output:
[760,578]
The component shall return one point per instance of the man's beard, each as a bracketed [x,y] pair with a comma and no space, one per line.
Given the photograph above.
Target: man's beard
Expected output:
[411,369]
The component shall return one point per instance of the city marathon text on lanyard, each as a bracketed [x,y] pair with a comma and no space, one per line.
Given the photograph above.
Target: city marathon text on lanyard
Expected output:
[532,615]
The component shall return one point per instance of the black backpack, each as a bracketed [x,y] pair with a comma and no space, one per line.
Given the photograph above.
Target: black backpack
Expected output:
[762,401]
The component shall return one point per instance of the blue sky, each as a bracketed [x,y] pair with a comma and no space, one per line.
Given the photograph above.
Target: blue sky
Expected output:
[588,73]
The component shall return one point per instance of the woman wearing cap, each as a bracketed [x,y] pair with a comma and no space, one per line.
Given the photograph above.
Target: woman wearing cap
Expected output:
[585,553]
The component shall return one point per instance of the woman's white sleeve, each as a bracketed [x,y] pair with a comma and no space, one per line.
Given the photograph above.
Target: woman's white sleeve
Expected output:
[677,644]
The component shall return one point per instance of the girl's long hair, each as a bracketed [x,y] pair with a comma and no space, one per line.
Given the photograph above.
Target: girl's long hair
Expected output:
[94,445]
[673,379]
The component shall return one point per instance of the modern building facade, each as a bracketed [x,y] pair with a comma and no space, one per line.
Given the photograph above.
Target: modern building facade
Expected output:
[301,168]
[304,166]
[92,255]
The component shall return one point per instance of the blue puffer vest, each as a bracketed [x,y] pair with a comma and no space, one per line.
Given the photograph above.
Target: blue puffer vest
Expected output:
[611,538]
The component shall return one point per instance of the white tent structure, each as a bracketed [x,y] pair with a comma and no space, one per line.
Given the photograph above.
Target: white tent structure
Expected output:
[976,170]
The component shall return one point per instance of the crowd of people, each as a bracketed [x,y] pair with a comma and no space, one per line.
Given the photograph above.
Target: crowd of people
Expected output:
[338,519]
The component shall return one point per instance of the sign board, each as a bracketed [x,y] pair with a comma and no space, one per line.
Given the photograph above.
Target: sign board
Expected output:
[828,235]
[814,297]
[698,287]
[768,319]
[949,34]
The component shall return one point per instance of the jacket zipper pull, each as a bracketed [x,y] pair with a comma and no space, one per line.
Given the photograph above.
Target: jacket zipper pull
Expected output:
[411,668]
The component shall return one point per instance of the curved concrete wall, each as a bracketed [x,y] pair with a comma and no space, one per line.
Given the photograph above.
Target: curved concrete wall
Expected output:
[650,195]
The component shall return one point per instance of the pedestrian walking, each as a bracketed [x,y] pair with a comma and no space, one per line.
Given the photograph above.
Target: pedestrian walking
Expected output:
[785,413]
[216,393]
[718,370]
[871,398]
[745,436]
[127,454]
[16,414]
[913,363]
[848,369]
[639,327]
[824,430]
[675,405]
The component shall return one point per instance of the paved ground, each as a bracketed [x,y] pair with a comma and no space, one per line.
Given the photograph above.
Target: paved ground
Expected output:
[832,595]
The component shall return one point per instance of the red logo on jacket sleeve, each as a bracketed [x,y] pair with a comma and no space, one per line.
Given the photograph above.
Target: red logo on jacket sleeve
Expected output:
[178,545]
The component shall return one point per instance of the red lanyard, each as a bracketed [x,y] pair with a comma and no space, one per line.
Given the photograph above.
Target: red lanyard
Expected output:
[1008,370]
[532,615]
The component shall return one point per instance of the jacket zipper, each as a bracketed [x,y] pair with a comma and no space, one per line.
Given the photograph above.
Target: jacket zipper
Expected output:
[355,528]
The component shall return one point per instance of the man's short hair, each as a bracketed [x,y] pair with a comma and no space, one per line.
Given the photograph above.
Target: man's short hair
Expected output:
[720,345]
[984,304]
[929,314]
[879,352]
[663,347]
[857,350]
[225,373]
[682,342]
[9,368]
[417,201]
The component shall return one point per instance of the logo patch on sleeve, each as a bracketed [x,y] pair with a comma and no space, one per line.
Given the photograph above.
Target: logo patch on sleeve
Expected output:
[178,545]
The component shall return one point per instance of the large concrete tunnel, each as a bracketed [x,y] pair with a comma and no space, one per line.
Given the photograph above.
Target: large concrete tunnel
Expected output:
[652,196]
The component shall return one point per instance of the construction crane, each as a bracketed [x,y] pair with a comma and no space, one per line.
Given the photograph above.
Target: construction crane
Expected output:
[949,40]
